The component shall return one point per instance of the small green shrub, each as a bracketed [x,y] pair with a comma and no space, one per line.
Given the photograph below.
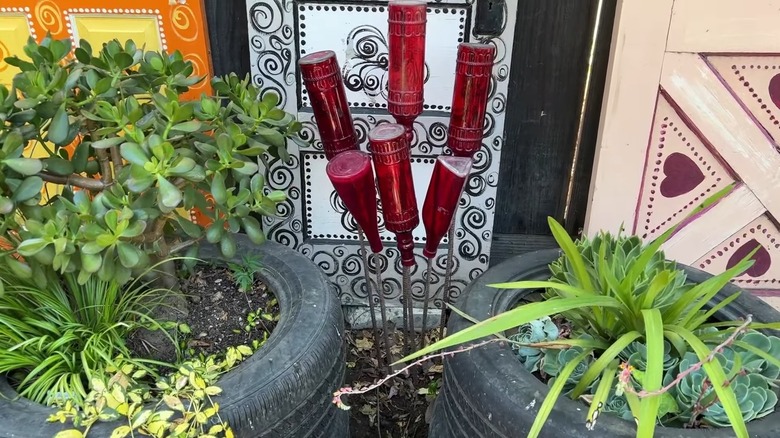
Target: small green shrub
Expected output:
[54,338]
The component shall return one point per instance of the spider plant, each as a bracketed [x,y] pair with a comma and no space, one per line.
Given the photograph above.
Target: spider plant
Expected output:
[619,292]
[53,339]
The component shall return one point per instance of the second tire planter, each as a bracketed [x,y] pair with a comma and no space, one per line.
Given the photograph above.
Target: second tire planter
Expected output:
[488,393]
[283,390]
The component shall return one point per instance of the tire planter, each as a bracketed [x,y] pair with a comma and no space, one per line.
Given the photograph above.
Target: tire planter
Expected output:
[488,393]
[283,390]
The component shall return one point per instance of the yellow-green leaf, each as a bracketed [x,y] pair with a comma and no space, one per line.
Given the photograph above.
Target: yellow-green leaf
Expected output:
[70,433]
[121,432]
[654,338]
[553,394]
[173,402]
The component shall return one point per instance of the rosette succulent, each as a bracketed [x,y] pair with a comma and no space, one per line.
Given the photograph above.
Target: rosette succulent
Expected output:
[555,359]
[636,355]
[695,392]
[540,330]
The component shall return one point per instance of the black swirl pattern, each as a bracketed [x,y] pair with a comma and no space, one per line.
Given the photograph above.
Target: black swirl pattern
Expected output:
[366,69]
[272,42]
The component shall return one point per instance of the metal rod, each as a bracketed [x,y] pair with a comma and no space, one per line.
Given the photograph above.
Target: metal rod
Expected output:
[586,95]
[425,304]
[408,314]
[382,308]
[447,277]
[369,291]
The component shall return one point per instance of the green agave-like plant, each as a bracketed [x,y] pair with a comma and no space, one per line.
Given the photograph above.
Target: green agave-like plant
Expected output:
[620,292]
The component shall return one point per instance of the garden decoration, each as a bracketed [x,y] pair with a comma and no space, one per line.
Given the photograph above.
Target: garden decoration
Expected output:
[325,87]
[353,178]
[406,52]
[473,71]
[444,191]
[391,154]
[390,146]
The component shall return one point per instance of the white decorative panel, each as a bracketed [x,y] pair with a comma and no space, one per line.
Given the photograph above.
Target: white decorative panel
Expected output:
[314,220]
[358,38]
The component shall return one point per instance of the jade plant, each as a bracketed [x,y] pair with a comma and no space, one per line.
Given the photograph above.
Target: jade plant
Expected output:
[644,342]
[102,159]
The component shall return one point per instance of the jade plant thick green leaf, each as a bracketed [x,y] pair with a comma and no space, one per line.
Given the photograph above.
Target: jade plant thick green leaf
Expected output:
[128,157]
[629,305]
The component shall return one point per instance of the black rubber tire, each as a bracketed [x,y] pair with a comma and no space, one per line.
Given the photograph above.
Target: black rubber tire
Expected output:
[283,390]
[487,393]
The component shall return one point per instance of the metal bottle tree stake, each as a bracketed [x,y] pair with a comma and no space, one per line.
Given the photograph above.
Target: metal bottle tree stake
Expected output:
[351,175]
[473,72]
[444,191]
[353,178]
[349,169]
[392,161]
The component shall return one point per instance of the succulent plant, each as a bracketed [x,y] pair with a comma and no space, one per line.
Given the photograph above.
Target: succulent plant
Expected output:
[615,291]
[130,156]
[617,404]
[555,359]
[695,393]
[539,330]
[752,362]
[636,355]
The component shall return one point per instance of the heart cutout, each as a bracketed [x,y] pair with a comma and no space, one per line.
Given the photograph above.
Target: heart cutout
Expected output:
[681,175]
[762,258]
[774,89]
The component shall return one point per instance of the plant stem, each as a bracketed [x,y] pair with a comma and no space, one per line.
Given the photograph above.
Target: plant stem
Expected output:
[116,159]
[74,180]
[105,167]
[348,390]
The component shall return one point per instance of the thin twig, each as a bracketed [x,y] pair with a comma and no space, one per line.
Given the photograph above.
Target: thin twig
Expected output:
[351,391]
[625,375]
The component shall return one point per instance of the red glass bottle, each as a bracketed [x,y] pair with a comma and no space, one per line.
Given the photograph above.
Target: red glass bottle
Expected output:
[406,44]
[447,183]
[392,161]
[325,87]
[469,99]
[352,177]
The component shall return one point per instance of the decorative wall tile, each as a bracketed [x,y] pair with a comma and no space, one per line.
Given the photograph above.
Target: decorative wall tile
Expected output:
[15,28]
[312,213]
[358,37]
[765,272]
[681,171]
[755,81]
[160,24]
